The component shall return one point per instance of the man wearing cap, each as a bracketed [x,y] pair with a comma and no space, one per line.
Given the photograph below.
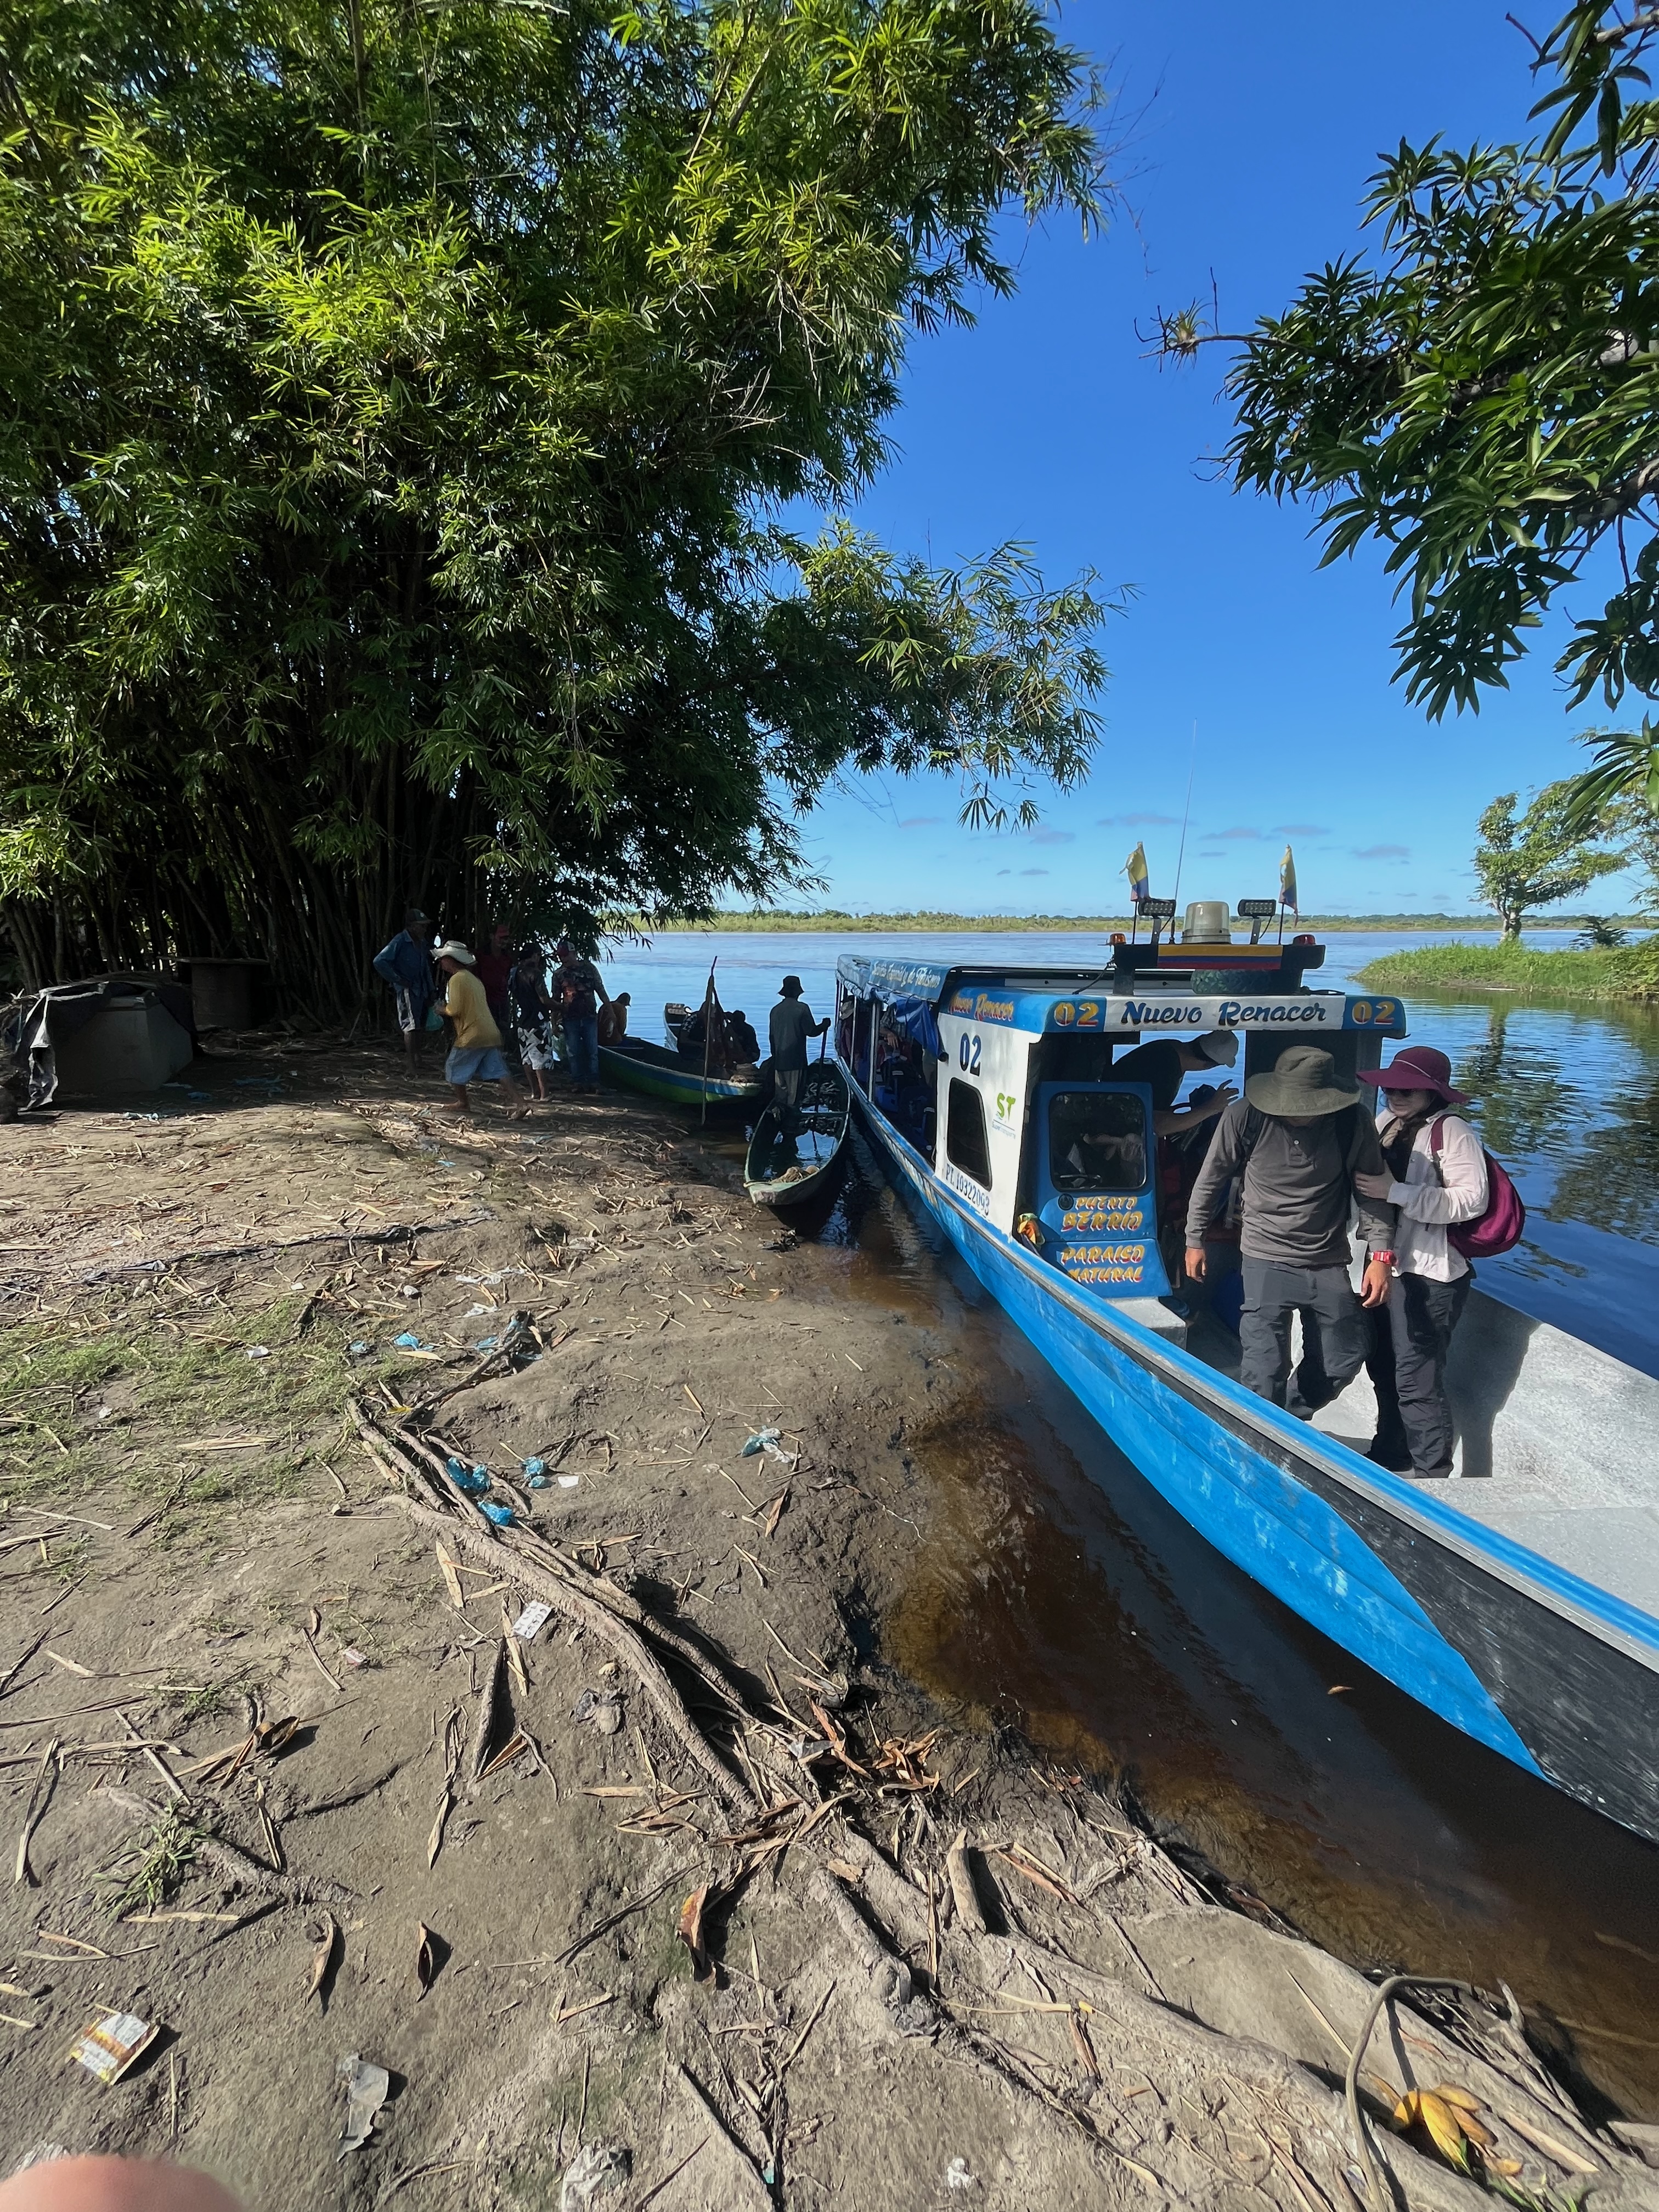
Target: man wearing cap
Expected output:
[1301,1139]
[789,1028]
[406,964]
[1163,1066]
[1434,1184]
[475,1056]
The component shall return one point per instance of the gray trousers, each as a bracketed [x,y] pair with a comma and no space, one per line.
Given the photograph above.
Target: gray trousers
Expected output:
[785,1093]
[1410,1339]
[1336,1336]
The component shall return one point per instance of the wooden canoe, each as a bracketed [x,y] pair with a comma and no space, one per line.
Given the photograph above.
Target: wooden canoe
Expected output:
[781,1171]
[659,1074]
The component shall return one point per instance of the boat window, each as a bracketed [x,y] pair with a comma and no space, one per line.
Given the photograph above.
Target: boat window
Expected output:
[1096,1141]
[964,1133]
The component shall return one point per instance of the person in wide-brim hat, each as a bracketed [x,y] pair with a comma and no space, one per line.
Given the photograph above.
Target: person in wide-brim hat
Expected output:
[1435,1172]
[1299,1142]
[1417,1067]
[1302,1086]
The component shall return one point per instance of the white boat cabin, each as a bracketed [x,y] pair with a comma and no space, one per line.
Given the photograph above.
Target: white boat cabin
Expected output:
[1001,1080]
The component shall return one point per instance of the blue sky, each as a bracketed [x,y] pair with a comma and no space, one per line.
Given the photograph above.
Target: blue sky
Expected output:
[1252,132]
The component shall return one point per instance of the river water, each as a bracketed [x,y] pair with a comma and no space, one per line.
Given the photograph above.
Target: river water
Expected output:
[1058,1593]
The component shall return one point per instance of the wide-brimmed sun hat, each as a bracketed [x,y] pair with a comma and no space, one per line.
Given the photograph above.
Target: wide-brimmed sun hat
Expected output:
[1302,1085]
[452,949]
[1418,1067]
[1218,1047]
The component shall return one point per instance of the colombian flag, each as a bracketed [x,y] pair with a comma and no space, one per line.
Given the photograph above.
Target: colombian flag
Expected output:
[1135,868]
[1287,881]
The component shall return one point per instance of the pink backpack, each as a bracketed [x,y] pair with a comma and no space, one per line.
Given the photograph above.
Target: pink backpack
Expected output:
[1500,1228]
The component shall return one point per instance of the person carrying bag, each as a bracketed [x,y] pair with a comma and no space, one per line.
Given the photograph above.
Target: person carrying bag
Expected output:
[1438,1176]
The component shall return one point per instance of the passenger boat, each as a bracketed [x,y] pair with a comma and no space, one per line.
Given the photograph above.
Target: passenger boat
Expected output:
[1521,1602]
[659,1074]
[785,1170]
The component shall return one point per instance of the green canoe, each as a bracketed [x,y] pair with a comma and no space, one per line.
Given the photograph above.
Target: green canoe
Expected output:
[660,1073]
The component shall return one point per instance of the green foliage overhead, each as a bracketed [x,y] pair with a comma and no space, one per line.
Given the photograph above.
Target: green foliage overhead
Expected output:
[402,407]
[1481,398]
[1536,858]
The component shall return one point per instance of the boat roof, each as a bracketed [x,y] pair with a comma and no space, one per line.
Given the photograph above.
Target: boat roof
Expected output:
[1090,999]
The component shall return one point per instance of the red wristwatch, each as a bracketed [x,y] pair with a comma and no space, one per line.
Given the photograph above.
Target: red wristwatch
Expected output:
[1387,1258]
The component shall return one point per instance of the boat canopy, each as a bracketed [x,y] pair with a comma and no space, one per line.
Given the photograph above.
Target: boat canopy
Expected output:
[892,979]
[1038,1000]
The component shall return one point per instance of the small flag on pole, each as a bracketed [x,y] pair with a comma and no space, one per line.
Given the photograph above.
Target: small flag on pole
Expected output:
[1139,883]
[1287,881]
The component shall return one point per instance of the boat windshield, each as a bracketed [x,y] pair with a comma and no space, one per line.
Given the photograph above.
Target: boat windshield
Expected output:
[1096,1141]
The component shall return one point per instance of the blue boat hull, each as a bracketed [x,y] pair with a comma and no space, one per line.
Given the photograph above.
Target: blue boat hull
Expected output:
[1554,1675]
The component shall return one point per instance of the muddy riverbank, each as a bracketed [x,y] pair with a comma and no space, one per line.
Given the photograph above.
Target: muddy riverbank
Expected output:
[667,1887]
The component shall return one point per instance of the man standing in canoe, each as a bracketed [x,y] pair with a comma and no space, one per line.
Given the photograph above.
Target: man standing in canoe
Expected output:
[1305,1147]
[789,1029]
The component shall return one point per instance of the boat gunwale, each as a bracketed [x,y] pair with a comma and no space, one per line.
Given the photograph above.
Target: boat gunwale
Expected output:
[1282,1440]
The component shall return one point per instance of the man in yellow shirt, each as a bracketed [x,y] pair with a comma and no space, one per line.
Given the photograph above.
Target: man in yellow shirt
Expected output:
[475,1056]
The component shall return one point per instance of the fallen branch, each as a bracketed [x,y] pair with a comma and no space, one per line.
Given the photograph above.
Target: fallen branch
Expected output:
[629,1645]
[511,1342]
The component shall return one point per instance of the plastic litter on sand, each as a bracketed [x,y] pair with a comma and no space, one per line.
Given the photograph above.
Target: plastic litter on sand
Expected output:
[595,2171]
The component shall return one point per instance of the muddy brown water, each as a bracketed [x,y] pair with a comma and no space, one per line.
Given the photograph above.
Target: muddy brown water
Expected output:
[1058,1592]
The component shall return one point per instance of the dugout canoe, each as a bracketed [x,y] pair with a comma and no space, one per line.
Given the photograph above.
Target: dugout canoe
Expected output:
[782,1172]
[633,1065]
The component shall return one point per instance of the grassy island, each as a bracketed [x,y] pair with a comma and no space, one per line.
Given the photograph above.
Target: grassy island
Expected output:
[1627,971]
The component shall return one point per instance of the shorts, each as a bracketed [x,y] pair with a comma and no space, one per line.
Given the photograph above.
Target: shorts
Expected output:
[483,1064]
[412,1011]
[535,1048]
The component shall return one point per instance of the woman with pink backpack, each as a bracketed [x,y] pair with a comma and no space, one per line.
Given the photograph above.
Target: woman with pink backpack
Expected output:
[1455,1202]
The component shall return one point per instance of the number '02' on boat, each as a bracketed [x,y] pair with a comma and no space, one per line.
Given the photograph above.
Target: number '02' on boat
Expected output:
[1519,1602]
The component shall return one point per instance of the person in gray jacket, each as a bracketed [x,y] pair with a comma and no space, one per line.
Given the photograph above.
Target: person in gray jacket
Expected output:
[1300,1138]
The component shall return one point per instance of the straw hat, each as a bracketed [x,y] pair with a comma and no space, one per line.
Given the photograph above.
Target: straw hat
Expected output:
[452,949]
[1302,1086]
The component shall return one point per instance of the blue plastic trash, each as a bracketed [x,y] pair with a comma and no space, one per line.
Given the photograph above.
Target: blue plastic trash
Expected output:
[471,1483]
[486,1344]
[538,1482]
[533,1468]
[759,1442]
[501,1515]
[408,1341]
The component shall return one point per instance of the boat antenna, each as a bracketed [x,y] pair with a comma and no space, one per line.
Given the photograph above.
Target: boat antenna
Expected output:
[1186,814]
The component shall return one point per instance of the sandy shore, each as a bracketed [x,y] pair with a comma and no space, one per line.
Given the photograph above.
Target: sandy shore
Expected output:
[689,1891]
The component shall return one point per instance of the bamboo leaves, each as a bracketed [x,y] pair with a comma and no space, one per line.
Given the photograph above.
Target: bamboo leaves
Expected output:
[417,548]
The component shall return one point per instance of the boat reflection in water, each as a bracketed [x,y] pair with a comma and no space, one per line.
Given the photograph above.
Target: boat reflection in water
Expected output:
[1524,1612]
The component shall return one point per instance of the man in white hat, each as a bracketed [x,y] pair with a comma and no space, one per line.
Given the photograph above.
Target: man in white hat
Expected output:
[475,1056]
[1163,1065]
